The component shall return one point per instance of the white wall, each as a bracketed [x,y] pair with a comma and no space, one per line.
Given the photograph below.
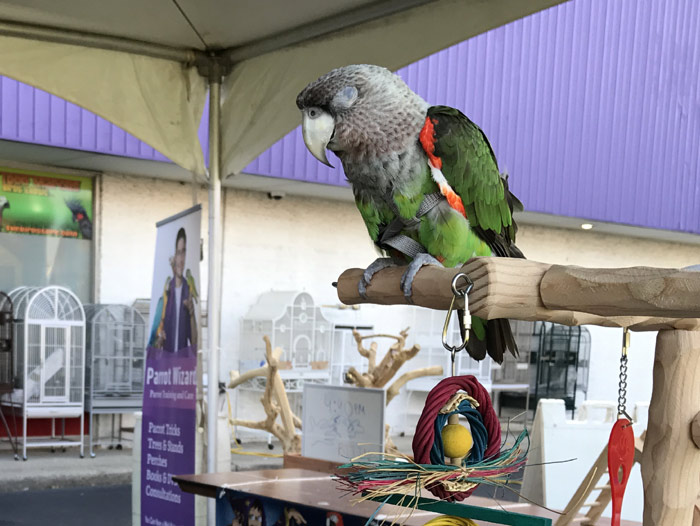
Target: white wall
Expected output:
[130,208]
[305,243]
[291,244]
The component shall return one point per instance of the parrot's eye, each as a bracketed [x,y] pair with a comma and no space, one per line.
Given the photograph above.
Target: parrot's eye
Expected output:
[313,112]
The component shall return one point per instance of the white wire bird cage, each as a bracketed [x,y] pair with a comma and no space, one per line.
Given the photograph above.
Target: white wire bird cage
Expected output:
[293,322]
[49,361]
[116,350]
[426,329]
[6,369]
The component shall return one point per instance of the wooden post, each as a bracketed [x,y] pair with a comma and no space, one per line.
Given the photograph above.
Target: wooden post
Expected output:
[671,461]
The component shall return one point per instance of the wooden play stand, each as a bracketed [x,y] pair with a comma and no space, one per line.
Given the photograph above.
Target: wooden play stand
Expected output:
[378,375]
[274,401]
[640,298]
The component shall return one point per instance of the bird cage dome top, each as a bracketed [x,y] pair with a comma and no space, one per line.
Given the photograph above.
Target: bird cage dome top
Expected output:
[273,305]
[291,320]
[44,304]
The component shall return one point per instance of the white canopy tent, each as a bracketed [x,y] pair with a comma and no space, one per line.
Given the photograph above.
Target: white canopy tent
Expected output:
[146,66]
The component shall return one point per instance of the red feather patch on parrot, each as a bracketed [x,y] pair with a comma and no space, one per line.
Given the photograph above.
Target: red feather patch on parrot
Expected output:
[427,141]
[453,199]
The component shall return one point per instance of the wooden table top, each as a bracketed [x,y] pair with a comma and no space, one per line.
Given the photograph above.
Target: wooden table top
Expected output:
[313,488]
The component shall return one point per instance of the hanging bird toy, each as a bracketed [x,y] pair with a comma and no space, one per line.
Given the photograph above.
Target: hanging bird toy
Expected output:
[449,460]
[621,443]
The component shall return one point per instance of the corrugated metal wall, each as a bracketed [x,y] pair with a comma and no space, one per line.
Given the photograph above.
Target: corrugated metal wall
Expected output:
[592,106]
[31,115]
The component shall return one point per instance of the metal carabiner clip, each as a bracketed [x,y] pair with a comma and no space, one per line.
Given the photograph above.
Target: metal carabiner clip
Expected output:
[458,293]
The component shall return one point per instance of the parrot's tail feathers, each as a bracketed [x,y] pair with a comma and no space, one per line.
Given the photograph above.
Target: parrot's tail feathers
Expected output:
[499,339]
[515,252]
[475,347]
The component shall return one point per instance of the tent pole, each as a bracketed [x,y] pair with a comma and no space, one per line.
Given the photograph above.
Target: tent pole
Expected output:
[214,294]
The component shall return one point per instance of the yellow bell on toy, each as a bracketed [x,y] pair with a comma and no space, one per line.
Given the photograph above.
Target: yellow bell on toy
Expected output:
[456,440]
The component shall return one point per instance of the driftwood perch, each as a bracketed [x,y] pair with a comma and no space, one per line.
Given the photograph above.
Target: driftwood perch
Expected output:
[379,375]
[641,298]
[395,357]
[274,401]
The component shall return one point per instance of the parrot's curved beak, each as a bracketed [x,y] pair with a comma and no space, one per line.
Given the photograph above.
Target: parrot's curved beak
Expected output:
[317,132]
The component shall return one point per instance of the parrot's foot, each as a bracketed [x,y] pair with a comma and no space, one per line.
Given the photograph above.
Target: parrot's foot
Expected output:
[413,268]
[377,265]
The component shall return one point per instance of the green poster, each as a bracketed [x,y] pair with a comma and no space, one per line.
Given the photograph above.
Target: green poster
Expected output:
[45,204]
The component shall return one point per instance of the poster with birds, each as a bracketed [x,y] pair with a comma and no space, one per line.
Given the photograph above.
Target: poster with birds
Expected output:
[45,204]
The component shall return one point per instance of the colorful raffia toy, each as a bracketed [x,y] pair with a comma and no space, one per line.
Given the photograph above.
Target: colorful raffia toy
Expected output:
[376,476]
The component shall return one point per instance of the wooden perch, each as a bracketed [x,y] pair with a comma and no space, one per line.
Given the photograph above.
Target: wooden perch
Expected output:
[435,370]
[528,290]
[395,357]
[274,401]
[623,291]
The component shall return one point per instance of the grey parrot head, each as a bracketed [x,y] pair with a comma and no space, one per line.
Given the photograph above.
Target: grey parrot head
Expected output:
[358,111]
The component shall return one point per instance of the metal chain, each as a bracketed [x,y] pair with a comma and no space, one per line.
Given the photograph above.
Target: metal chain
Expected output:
[622,386]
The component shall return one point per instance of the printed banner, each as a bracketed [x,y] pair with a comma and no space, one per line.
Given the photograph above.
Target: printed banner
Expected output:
[170,386]
[45,204]
[235,508]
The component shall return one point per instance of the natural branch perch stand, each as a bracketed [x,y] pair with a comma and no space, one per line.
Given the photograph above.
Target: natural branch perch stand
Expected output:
[379,375]
[274,401]
[641,298]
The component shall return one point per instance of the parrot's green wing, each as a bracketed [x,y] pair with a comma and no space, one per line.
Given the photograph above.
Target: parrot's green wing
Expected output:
[461,150]
[470,167]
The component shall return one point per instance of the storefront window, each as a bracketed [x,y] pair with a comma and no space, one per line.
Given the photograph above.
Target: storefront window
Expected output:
[46,231]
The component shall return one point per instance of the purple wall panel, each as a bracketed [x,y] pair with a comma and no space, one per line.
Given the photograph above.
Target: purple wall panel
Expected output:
[31,115]
[8,109]
[593,107]
[42,105]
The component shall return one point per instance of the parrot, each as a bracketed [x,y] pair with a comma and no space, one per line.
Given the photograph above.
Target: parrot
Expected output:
[80,215]
[4,203]
[192,285]
[157,327]
[424,178]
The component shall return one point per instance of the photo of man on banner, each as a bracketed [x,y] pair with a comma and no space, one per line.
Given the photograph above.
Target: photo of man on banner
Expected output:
[177,323]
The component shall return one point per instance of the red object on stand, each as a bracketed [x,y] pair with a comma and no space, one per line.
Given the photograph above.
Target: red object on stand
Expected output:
[620,461]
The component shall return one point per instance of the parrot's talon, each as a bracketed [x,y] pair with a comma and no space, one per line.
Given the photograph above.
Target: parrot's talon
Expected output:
[362,288]
[413,267]
[377,265]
